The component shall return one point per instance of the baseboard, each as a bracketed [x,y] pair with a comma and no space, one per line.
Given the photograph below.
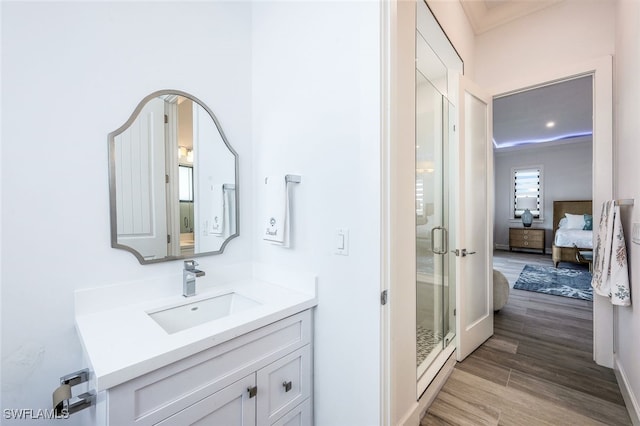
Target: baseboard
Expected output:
[420,408]
[630,399]
[502,247]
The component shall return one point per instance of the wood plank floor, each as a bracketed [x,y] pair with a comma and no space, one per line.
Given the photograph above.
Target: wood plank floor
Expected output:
[537,369]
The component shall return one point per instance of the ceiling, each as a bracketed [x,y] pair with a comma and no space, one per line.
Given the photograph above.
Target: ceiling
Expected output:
[485,15]
[525,118]
[521,119]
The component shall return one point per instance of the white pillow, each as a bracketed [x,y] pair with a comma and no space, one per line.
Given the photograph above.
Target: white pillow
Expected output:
[574,221]
[563,223]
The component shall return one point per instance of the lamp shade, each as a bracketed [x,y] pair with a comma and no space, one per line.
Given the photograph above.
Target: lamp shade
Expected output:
[524,203]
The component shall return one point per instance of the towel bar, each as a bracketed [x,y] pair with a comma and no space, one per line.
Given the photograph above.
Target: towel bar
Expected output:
[288,179]
[63,402]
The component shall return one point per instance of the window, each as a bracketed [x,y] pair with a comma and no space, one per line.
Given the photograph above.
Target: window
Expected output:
[527,182]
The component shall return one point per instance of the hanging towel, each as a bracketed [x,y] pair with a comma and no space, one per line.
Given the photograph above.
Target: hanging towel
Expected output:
[217,209]
[610,272]
[276,214]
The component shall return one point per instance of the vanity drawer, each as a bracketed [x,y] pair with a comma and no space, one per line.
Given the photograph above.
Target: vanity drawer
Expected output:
[284,384]
[155,396]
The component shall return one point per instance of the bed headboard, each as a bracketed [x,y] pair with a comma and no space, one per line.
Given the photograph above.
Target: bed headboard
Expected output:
[574,207]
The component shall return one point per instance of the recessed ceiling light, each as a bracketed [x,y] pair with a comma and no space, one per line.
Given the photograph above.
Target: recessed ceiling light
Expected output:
[550,124]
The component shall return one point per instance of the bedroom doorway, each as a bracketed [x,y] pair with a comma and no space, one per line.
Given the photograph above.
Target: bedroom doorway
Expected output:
[598,175]
[543,156]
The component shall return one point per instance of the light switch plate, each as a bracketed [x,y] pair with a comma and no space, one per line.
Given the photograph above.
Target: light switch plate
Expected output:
[635,233]
[342,241]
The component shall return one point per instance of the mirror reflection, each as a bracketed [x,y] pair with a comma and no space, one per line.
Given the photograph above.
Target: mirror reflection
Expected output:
[173,181]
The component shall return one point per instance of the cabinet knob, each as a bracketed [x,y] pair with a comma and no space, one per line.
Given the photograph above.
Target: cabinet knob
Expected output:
[287,386]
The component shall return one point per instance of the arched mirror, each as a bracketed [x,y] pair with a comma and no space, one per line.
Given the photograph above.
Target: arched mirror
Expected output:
[173,180]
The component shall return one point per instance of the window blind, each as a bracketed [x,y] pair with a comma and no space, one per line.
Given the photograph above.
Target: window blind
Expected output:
[526,183]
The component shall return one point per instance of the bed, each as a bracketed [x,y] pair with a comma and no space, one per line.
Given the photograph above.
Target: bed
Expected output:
[565,241]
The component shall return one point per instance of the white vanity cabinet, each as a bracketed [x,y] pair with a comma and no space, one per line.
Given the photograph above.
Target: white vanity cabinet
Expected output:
[259,378]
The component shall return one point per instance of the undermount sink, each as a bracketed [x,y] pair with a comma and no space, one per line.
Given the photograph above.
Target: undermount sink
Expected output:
[189,315]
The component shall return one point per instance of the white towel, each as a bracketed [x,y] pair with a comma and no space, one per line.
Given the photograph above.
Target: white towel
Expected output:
[610,272]
[217,209]
[276,214]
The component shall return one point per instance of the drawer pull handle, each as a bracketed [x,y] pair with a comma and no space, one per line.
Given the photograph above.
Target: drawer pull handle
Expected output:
[287,386]
[252,391]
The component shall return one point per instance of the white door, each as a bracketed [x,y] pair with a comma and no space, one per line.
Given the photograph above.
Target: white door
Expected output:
[475,223]
[140,177]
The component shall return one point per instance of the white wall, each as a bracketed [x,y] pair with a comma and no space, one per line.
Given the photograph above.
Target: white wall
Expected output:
[71,73]
[627,184]
[316,112]
[570,32]
[566,176]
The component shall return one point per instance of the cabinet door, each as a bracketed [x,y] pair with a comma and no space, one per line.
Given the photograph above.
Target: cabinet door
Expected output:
[230,406]
[283,384]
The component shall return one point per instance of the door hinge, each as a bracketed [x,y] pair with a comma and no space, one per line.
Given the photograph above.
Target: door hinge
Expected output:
[454,312]
[383,297]
[253,391]
[454,127]
[166,178]
[166,118]
[168,238]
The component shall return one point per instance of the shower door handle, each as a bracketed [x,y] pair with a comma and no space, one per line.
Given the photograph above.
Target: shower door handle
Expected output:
[445,241]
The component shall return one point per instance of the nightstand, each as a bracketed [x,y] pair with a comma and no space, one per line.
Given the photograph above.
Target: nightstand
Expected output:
[526,238]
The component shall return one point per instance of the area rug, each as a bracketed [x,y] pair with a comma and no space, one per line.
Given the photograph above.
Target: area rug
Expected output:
[568,281]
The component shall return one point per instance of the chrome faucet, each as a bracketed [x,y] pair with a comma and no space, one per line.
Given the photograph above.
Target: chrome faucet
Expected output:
[189,275]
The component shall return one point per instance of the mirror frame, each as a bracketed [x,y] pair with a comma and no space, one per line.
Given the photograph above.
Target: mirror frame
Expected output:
[112,179]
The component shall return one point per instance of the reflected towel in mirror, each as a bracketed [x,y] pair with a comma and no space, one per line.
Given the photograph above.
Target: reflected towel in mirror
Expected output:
[217,210]
[229,217]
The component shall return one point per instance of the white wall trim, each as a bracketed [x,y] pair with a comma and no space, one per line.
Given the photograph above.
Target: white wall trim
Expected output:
[602,183]
[387,25]
[399,183]
[630,400]
[420,408]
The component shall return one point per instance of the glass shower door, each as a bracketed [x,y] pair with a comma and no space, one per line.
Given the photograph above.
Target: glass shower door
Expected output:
[435,283]
[431,232]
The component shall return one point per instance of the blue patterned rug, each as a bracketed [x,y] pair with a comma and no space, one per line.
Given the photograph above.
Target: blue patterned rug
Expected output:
[568,281]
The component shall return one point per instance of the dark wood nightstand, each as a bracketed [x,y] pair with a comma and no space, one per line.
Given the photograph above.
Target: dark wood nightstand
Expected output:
[526,238]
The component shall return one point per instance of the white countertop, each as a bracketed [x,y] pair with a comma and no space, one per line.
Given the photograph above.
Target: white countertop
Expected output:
[124,342]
